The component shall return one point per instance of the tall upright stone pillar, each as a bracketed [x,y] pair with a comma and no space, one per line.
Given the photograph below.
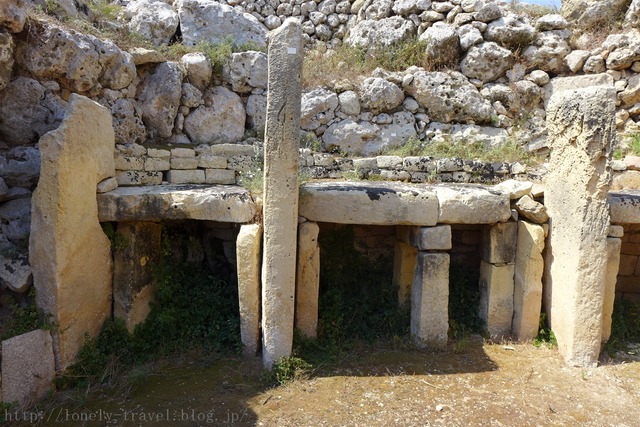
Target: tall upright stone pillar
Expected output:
[68,251]
[280,208]
[581,128]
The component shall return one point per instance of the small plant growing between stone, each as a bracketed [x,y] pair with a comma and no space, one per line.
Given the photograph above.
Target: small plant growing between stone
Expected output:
[545,334]
[287,369]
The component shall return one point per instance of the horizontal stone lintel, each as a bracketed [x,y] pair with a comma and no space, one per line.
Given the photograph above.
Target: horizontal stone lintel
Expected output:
[223,203]
[392,203]
[625,207]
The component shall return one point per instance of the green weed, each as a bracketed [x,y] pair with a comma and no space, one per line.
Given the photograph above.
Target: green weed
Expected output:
[625,325]
[25,316]
[545,334]
[287,369]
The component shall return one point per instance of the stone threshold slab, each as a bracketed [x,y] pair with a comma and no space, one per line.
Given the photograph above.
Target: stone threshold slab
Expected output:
[625,207]
[393,203]
[223,203]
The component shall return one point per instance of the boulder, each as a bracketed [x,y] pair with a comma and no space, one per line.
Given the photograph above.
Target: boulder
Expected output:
[443,45]
[469,36]
[220,120]
[487,62]
[159,99]
[471,204]
[77,61]
[631,94]
[318,108]
[489,12]
[592,13]
[28,368]
[448,96]
[155,20]
[510,30]
[552,21]
[407,7]
[547,52]
[632,17]
[6,58]
[379,95]
[214,22]
[13,14]
[248,70]
[576,59]
[560,84]
[20,167]
[198,69]
[349,103]
[256,111]
[15,218]
[15,273]
[68,251]
[372,34]
[376,10]
[27,111]
[531,210]
[127,122]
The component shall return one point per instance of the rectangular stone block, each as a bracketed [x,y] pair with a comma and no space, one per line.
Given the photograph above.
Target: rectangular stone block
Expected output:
[404,264]
[134,263]
[126,178]
[496,298]
[248,255]
[436,238]
[628,264]
[158,153]
[228,150]
[611,277]
[220,176]
[308,279]
[194,176]
[182,153]
[184,163]
[471,204]
[499,243]
[527,295]
[389,162]
[240,163]
[129,163]
[28,367]
[430,300]
[154,164]
[209,161]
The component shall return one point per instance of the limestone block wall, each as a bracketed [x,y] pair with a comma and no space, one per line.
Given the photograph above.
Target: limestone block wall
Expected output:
[628,286]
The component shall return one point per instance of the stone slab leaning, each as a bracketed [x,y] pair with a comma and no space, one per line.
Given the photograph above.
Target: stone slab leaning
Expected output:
[69,253]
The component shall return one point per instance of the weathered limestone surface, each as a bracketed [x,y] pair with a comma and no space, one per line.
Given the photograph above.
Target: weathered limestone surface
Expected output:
[613,264]
[68,251]
[436,238]
[134,261]
[28,367]
[404,265]
[248,245]
[581,127]
[308,279]
[625,207]
[499,243]
[561,84]
[282,140]
[180,201]
[430,300]
[496,298]
[471,204]
[387,203]
[527,295]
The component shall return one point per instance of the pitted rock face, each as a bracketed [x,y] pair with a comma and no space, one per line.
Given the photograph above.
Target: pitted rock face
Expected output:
[155,20]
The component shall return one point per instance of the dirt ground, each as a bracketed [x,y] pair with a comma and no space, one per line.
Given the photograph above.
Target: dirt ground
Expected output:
[471,384]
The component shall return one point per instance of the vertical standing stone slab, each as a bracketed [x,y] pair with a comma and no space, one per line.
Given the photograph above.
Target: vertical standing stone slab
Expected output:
[499,243]
[68,251]
[613,264]
[404,265]
[581,128]
[527,294]
[430,300]
[28,367]
[280,208]
[496,298]
[308,282]
[137,254]
[248,245]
